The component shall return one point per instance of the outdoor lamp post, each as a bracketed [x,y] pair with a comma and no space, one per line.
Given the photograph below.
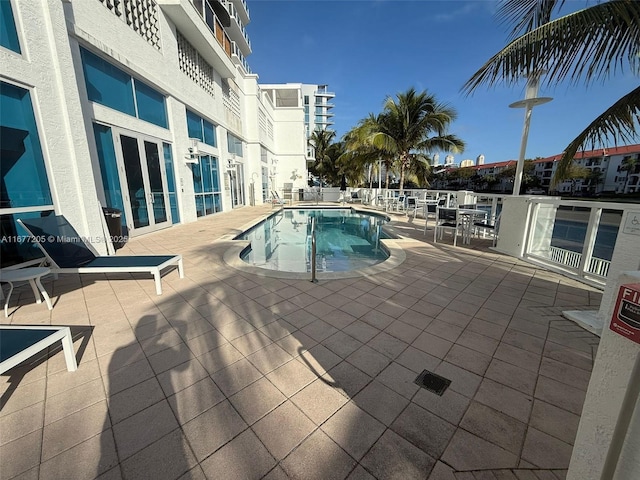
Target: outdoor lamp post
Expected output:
[531,100]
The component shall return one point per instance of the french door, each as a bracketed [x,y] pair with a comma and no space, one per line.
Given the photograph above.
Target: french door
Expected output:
[144,183]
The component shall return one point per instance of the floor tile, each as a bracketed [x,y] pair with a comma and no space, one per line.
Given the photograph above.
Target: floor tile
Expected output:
[353,429]
[504,399]
[291,377]
[394,457]
[495,427]
[318,401]
[554,421]
[381,402]
[283,429]
[257,400]
[368,360]
[308,461]
[451,406]
[236,376]
[423,429]
[545,451]
[469,452]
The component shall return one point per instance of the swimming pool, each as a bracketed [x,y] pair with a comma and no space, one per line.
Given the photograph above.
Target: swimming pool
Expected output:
[346,240]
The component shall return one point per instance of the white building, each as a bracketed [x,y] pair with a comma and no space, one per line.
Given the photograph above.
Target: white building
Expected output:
[145,106]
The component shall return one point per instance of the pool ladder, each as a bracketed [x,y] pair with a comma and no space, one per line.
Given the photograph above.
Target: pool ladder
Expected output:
[313,250]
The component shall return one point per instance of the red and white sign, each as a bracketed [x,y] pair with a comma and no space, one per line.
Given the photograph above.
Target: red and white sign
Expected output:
[626,314]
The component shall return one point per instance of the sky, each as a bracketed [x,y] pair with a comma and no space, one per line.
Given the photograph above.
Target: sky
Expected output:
[367,50]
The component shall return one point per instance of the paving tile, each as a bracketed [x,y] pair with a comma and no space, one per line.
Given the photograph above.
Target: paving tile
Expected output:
[560,395]
[518,357]
[257,400]
[181,376]
[567,374]
[399,379]
[140,430]
[22,422]
[450,406]
[291,377]
[236,376]
[495,427]
[470,452]
[512,376]
[462,381]
[479,343]
[468,359]
[243,458]
[342,344]
[24,453]
[369,360]
[545,451]
[319,359]
[74,429]
[417,360]
[387,345]
[194,400]
[88,459]
[442,471]
[568,356]
[395,458]
[423,429]
[269,358]
[381,402]
[486,328]
[251,342]
[308,461]
[361,331]
[417,317]
[283,429]
[319,330]
[212,429]
[347,378]
[554,421]
[444,330]
[353,429]
[359,473]
[403,331]
[524,341]
[318,401]
[135,399]
[219,358]
[169,457]
[504,399]
[436,346]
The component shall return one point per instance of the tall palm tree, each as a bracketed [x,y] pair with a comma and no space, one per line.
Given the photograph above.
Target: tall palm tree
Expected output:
[590,44]
[321,140]
[413,125]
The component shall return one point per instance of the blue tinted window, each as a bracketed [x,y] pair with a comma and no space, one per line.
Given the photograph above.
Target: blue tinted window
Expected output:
[23,177]
[234,144]
[109,169]
[209,133]
[8,33]
[197,177]
[171,183]
[199,128]
[151,106]
[206,173]
[194,126]
[107,84]
[214,175]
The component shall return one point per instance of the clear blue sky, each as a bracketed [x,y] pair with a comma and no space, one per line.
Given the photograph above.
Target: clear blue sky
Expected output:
[366,50]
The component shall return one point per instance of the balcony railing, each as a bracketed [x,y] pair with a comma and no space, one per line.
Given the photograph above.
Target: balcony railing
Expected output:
[206,11]
[241,58]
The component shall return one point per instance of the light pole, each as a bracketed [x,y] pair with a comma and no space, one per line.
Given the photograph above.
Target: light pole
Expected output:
[531,100]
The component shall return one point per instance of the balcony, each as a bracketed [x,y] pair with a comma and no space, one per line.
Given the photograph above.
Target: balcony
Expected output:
[238,57]
[201,25]
[237,31]
[322,92]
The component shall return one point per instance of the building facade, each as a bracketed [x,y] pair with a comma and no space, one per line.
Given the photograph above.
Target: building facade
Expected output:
[147,106]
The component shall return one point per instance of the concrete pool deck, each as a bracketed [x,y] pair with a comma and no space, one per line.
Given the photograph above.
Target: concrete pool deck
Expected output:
[233,375]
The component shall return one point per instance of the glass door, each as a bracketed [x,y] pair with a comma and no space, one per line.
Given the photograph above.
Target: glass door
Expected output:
[145,184]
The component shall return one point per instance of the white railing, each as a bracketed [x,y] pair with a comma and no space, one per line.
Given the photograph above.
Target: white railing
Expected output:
[565,257]
[591,228]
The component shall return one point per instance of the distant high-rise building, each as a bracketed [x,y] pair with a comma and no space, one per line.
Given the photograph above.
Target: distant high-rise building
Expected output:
[436,159]
[480,160]
[448,160]
[466,163]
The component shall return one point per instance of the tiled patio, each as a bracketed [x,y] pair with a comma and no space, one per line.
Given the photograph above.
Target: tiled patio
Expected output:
[229,375]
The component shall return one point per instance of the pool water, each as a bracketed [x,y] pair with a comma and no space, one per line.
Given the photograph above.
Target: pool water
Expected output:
[346,240]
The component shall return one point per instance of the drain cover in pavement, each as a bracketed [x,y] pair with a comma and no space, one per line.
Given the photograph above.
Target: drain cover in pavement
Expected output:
[432,382]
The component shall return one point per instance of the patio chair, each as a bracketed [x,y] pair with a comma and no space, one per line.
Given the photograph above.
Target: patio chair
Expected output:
[355,198]
[21,342]
[275,199]
[488,228]
[66,252]
[447,219]
[412,205]
[430,210]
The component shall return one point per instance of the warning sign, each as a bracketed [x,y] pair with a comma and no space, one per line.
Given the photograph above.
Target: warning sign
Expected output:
[626,314]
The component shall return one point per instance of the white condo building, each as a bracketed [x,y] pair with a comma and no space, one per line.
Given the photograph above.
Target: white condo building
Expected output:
[147,106]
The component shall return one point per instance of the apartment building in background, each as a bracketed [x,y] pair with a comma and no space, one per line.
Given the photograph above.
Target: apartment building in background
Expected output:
[147,106]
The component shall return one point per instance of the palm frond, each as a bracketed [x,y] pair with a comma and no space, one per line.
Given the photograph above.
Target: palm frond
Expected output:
[620,123]
[525,15]
[592,43]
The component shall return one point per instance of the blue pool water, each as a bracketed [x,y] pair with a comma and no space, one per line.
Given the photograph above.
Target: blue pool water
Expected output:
[346,240]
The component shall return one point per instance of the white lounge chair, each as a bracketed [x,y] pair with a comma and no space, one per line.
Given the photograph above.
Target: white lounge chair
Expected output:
[21,342]
[66,252]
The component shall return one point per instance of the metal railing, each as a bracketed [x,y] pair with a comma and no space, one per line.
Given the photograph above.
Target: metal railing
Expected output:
[313,250]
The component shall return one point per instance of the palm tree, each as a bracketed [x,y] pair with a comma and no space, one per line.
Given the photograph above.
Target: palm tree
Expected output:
[589,44]
[411,127]
[321,140]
